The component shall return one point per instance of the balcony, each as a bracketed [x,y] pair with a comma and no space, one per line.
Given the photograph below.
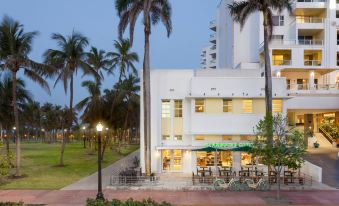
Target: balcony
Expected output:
[310,42]
[306,88]
[276,43]
[281,62]
[213,38]
[316,63]
[299,5]
[213,25]
[308,20]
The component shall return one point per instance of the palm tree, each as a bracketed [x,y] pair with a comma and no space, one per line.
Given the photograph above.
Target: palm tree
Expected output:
[98,60]
[6,94]
[240,11]
[68,60]
[15,46]
[123,59]
[91,104]
[153,12]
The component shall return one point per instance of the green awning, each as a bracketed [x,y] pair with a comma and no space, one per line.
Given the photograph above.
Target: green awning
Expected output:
[240,149]
[208,149]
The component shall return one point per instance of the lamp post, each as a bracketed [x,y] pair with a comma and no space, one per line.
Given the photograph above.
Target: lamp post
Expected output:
[84,137]
[100,195]
[14,134]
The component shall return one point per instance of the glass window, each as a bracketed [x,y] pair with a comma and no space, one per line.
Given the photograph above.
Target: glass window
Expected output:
[199,105]
[177,108]
[166,137]
[177,160]
[246,159]
[166,159]
[245,138]
[178,137]
[199,137]
[165,109]
[224,159]
[277,105]
[278,20]
[247,106]
[227,105]
[226,137]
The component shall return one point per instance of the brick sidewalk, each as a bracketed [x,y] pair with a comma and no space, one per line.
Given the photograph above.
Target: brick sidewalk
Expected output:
[78,197]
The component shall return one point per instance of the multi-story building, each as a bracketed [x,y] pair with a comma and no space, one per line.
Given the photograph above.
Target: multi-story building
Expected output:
[222,103]
[303,50]
[192,109]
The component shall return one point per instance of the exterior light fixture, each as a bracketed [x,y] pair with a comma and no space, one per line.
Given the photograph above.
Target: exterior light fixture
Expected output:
[99,127]
[83,127]
[14,128]
[279,74]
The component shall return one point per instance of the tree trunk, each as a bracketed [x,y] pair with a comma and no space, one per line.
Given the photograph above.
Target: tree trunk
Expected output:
[63,145]
[268,79]
[147,96]
[16,131]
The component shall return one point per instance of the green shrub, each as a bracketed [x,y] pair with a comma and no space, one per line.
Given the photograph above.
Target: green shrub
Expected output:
[11,203]
[129,202]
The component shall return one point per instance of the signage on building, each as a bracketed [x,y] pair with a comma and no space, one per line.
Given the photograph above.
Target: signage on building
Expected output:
[228,145]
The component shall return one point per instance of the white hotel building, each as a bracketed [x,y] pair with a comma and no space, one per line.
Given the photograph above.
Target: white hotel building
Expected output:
[223,102]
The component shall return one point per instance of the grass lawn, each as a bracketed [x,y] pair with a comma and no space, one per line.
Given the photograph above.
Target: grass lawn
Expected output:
[39,162]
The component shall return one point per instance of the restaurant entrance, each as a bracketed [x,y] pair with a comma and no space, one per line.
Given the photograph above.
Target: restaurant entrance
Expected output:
[171,160]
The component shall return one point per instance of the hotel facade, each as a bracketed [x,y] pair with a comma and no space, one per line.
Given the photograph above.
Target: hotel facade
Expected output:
[222,102]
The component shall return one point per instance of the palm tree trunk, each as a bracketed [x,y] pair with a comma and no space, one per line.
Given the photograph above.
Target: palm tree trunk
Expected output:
[147,96]
[268,78]
[16,119]
[63,145]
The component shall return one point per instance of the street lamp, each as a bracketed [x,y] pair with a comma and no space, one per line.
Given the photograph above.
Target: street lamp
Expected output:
[100,195]
[83,135]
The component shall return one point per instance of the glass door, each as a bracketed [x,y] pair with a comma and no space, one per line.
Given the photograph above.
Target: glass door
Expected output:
[171,160]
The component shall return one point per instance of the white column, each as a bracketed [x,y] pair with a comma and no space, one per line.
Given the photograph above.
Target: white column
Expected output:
[236,161]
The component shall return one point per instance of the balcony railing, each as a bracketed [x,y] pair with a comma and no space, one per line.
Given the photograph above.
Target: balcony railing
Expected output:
[213,36]
[312,62]
[308,19]
[214,47]
[310,42]
[213,61]
[212,23]
[281,62]
[307,86]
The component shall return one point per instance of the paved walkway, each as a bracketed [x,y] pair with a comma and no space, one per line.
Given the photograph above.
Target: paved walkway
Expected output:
[78,197]
[326,156]
[91,182]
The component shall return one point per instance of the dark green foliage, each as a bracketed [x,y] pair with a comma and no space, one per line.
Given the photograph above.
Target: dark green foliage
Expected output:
[11,203]
[129,202]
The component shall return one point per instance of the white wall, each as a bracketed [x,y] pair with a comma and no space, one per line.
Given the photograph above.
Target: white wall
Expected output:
[312,170]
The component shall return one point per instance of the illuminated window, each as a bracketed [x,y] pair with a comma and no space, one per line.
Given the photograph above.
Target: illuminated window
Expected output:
[178,137]
[247,106]
[246,159]
[245,138]
[166,159]
[165,109]
[224,159]
[199,137]
[199,105]
[177,108]
[177,160]
[227,105]
[225,137]
[166,137]
[277,105]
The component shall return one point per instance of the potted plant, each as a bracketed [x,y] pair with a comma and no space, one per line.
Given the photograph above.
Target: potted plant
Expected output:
[152,177]
[316,145]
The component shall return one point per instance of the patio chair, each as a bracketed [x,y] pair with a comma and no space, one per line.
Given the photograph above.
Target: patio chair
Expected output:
[260,185]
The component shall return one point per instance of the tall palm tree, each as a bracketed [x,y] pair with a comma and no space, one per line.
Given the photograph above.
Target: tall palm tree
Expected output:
[123,59]
[15,46]
[70,58]
[98,60]
[153,12]
[240,11]
[91,104]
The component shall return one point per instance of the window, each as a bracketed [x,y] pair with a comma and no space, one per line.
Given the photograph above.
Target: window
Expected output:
[199,105]
[245,138]
[178,137]
[226,137]
[246,159]
[247,106]
[166,109]
[224,159]
[227,105]
[166,159]
[199,137]
[278,20]
[177,160]
[166,137]
[277,37]
[277,105]
[177,108]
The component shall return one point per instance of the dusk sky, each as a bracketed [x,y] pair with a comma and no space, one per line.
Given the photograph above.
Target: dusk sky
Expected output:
[98,21]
